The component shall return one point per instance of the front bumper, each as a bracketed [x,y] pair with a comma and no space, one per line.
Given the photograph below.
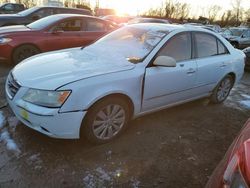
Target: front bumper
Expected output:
[48,121]
[5,53]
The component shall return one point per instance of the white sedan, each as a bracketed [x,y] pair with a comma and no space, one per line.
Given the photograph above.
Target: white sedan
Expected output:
[135,70]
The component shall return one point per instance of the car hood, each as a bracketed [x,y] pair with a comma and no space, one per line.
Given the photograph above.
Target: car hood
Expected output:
[15,28]
[51,70]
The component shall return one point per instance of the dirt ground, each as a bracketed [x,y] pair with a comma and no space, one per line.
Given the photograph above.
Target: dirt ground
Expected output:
[177,147]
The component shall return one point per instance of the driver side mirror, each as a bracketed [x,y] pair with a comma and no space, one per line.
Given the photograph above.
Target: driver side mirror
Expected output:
[165,61]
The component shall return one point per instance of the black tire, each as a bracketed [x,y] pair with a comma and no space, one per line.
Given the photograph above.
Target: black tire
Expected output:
[23,52]
[219,94]
[87,127]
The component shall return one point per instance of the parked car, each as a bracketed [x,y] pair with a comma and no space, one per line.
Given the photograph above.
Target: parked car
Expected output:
[238,37]
[148,20]
[234,170]
[135,70]
[247,53]
[11,8]
[30,15]
[242,41]
[215,28]
[51,33]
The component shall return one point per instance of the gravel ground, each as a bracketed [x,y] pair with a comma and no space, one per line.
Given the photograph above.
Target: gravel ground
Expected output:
[177,147]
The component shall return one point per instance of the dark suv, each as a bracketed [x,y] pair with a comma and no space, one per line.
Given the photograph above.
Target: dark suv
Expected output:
[30,15]
[11,8]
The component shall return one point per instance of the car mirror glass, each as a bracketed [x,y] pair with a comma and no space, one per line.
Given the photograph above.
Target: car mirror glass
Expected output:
[165,61]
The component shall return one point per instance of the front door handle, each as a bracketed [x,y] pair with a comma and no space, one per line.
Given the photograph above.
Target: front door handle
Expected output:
[191,71]
[223,65]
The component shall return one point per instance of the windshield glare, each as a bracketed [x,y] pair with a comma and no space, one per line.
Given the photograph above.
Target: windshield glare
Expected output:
[134,42]
[28,11]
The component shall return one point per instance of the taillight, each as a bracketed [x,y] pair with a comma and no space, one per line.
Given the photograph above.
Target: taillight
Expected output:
[233,177]
[231,168]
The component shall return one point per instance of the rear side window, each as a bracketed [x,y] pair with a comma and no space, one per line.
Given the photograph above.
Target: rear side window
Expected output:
[206,45]
[221,48]
[94,25]
[178,47]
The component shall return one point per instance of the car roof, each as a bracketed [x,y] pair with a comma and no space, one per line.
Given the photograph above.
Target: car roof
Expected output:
[171,27]
[65,8]
[65,16]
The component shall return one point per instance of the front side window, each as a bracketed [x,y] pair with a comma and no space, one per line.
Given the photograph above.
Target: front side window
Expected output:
[70,25]
[94,25]
[206,45]
[246,34]
[178,47]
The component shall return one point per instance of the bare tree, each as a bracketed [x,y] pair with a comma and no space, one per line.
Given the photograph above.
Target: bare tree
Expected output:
[169,8]
[213,12]
[247,15]
[184,11]
[27,3]
[237,9]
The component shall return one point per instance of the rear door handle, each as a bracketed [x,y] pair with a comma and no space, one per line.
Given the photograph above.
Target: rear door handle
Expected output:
[191,71]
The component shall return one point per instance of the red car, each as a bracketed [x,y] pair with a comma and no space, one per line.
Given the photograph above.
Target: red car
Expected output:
[50,33]
[234,170]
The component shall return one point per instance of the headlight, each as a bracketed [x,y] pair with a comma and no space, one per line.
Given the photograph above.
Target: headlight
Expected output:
[45,98]
[5,40]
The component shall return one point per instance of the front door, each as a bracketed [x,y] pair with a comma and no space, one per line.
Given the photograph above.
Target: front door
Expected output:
[169,85]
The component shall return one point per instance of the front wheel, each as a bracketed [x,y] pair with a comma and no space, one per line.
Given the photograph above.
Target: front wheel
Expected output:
[24,52]
[222,90]
[106,120]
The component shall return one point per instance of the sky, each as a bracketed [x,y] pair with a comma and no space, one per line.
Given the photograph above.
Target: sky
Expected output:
[138,6]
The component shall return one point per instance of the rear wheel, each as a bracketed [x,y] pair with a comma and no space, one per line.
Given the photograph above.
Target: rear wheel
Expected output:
[106,120]
[223,89]
[24,52]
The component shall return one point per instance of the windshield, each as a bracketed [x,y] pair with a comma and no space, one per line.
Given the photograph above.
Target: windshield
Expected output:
[237,32]
[131,42]
[44,22]
[28,11]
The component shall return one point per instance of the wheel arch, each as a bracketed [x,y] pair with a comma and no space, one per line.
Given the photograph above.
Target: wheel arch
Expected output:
[23,44]
[119,95]
[233,75]
[111,95]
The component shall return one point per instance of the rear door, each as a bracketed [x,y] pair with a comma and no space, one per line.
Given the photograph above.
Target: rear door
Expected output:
[213,60]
